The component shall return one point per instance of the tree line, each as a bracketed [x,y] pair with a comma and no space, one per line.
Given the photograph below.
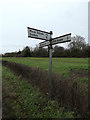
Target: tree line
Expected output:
[76,48]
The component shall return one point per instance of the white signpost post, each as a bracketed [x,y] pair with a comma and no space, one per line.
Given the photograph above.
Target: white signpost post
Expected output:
[49,41]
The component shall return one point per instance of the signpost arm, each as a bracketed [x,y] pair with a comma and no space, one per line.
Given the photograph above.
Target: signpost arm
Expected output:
[50,69]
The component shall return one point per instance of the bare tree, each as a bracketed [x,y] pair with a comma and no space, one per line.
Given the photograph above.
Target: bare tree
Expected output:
[77,42]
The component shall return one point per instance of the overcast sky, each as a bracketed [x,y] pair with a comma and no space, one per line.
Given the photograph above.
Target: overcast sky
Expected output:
[59,16]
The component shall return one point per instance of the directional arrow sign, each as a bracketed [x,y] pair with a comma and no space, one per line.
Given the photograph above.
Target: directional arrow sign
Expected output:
[57,40]
[38,34]
[61,39]
[43,44]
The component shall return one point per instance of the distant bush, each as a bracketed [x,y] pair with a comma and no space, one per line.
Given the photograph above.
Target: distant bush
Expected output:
[76,48]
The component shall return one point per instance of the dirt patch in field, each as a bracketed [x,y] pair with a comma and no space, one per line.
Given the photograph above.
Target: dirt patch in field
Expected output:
[65,90]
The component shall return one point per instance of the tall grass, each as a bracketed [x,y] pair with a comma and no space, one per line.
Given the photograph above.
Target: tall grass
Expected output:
[22,100]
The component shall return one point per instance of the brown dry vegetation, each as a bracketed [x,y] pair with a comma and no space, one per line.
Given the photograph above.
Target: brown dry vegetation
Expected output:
[67,91]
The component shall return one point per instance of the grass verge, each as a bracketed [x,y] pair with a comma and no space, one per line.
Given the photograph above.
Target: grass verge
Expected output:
[22,100]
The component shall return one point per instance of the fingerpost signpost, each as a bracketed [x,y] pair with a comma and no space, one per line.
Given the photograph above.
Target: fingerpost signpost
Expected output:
[49,41]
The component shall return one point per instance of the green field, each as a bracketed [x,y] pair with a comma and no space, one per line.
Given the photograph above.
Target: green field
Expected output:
[60,65]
